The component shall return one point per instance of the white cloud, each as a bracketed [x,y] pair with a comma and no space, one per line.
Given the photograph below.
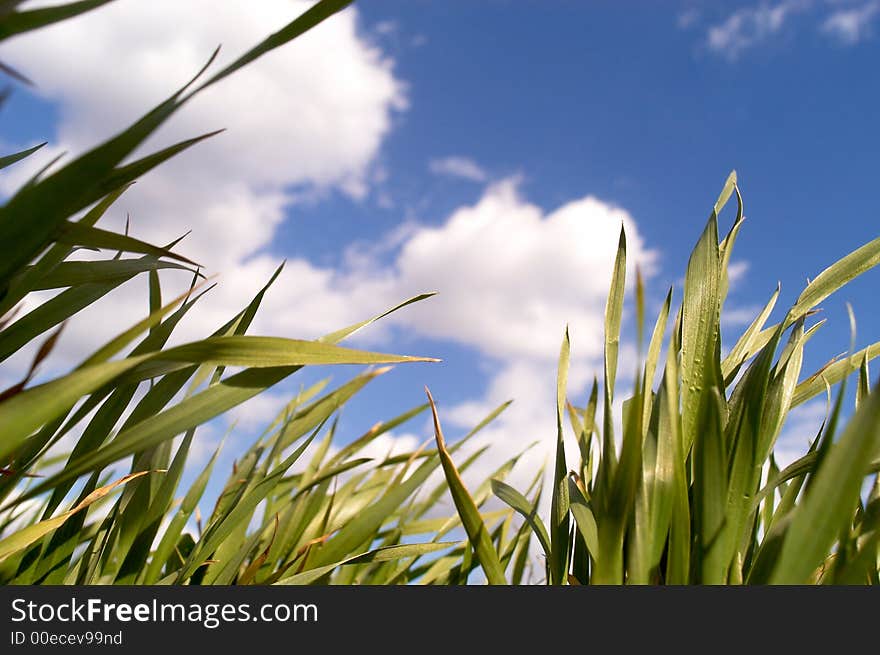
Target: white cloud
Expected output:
[850,26]
[304,119]
[750,26]
[313,113]
[510,274]
[461,167]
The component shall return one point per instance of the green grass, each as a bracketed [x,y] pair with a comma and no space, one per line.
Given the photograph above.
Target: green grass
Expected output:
[287,513]
[689,492]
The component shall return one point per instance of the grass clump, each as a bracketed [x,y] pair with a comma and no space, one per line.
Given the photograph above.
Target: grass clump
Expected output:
[691,492]
[287,513]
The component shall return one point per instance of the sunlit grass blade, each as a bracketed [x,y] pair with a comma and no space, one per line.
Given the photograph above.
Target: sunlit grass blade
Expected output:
[699,328]
[77,234]
[725,248]
[833,278]
[271,360]
[340,335]
[832,373]
[613,317]
[181,516]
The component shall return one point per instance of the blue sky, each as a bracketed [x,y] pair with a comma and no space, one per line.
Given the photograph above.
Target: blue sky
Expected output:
[390,162]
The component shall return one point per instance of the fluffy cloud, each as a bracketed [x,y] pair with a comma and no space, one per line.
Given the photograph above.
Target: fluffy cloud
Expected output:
[510,276]
[312,114]
[307,118]
[312,117]
[849,26]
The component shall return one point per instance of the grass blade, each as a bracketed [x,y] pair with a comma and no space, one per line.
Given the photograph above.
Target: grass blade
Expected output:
[473,524]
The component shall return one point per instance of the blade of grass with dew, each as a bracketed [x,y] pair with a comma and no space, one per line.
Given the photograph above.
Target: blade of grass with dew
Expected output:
[699,328]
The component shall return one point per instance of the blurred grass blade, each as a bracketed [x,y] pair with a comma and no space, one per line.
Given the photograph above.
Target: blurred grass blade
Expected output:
[25,280]
[316,14]
[384,554]
[8,160]
[24,21]
[31,533]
